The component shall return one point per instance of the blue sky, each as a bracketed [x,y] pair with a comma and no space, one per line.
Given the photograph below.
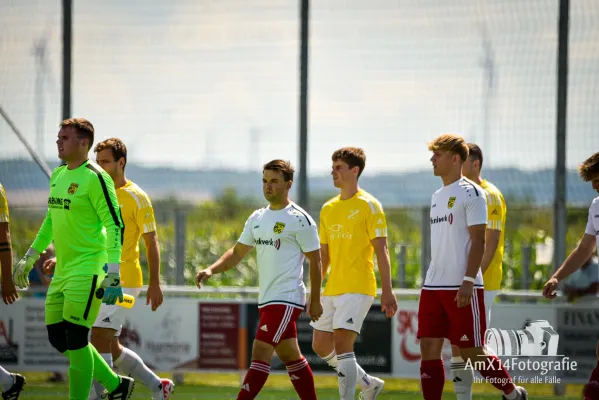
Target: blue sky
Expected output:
[184,83]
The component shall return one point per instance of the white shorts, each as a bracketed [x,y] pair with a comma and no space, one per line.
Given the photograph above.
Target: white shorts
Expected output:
[345,311]
[112,316]
[489,299]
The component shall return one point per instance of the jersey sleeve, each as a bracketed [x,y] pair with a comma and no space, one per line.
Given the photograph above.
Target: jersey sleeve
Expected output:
[4,215]
[476,210]
[495,209]
[247,236]
[145,215]
[322,229]
[376,222]
[45,235]
[307,237]
[590,229]
[103,198]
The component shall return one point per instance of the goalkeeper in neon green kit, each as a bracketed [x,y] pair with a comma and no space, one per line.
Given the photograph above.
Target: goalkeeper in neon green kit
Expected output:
[84,221]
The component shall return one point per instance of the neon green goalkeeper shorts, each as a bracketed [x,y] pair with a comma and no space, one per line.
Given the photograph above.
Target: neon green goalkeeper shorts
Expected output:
[73,299]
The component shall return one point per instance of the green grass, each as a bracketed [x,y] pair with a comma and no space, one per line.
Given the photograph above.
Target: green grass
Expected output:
[278,387]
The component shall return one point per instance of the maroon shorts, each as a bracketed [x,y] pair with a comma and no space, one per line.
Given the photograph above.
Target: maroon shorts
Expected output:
[440,317]
[277,322]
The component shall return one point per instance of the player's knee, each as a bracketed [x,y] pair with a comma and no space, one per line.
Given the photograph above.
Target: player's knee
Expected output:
[322,343]
[57,336]
[344,341]
[76,336]
[288,351]
[262,351]
[430,348]
[102,337]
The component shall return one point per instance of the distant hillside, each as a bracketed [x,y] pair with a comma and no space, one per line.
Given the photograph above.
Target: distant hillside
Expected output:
[24,178]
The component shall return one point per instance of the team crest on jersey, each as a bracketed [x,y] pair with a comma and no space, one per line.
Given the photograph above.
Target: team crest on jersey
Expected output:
[73,188]
[451,202]
[279,227]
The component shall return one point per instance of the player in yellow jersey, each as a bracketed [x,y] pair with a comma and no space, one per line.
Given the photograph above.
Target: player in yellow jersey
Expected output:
[491,264]
[11,385]
[138,216]
[353,228]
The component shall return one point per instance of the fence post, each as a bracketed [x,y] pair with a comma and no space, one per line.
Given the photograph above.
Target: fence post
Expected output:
[180,242]
[425,246]
[526,258]
[401,265]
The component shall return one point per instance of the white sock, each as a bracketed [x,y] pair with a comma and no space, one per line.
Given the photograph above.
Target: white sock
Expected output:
[462,378]
[6,379]
[513,395]
[363,378]
[132,364]
[347,375]
[97,388]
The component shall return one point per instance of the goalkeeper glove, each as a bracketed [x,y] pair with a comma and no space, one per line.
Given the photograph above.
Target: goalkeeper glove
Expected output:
[112,285]
[20,275]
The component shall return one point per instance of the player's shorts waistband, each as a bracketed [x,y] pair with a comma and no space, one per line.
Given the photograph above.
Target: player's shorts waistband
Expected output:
[281,302]
[449,287]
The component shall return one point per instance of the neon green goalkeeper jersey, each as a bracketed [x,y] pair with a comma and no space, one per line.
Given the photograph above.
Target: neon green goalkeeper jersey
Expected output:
[83,219]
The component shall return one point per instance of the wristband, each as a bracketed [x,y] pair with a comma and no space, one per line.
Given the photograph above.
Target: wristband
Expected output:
[113,268]
[469,279]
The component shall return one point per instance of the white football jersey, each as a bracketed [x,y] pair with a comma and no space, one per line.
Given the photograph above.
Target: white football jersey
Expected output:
[281,238]
[454,208]
[593,222]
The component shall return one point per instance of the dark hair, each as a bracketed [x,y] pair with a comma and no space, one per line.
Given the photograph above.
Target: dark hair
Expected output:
[84,128]
[116,146]
[352,156]
[281,165]
[475,153]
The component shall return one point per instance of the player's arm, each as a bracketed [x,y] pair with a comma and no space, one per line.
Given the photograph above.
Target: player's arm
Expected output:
[324,259]
[388,300]
[324,245]
[377,232]
[9,292]
[146,224]
[229,260]
[476,220]
[575,260]
[154,292]
[41,242]
[494,228]
[477,249]
[102,196]
[309,242]
[232,257]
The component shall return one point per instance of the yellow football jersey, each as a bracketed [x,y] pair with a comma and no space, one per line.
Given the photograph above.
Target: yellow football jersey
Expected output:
[138,216]
[4,216]
[496,214]
[347,227]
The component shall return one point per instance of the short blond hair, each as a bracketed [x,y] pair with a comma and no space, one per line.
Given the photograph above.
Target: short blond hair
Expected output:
[453,143]
[589,169]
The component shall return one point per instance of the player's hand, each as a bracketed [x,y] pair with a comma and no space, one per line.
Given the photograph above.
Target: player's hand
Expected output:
[112,289]
[49,266]
[9,291]
[154,296]
[464,295]
[314,309]
[202,276]
[20,275]
[549,288]
[388,303]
